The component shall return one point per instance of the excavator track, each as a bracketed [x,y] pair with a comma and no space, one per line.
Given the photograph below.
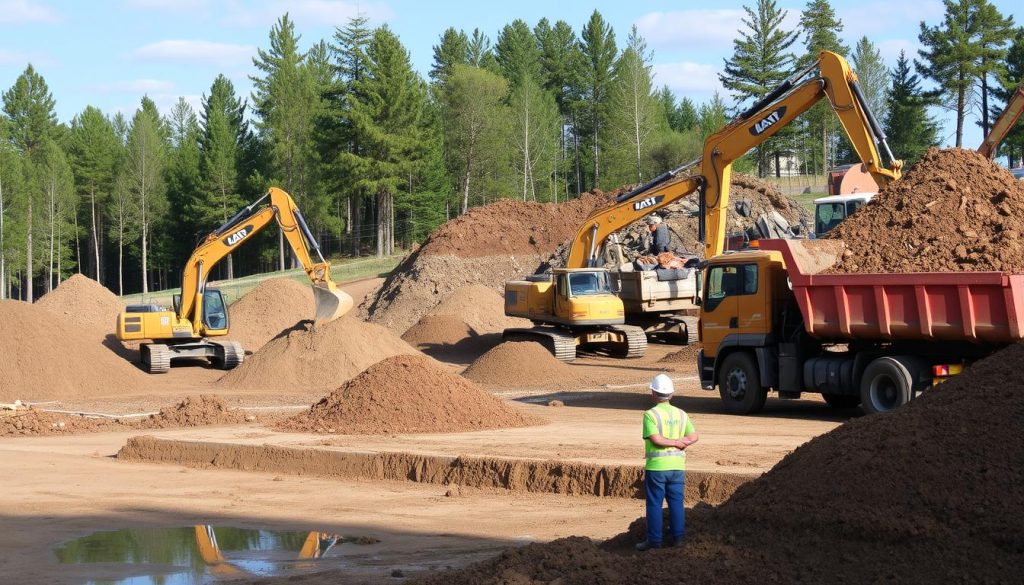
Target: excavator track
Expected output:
[233,355]
[692,325]
[636,341]
[560,343]
[157,358]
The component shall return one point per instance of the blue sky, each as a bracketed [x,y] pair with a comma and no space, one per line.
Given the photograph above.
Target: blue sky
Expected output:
[109,53]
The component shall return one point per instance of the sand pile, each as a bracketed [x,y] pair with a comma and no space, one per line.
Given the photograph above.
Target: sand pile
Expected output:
[84,302]
[523,364]
[933,484]
[309,358]
[486,246]
[480,307]
[433,331]
[406,394]
[43,357]
[953,211]
[273,306]
[195,411]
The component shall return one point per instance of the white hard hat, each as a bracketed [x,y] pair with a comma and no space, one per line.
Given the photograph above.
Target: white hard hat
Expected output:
[662,385]
[653,219]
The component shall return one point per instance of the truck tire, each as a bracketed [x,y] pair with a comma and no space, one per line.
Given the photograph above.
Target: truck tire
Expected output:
[890,382]
[739,384]
[841,400]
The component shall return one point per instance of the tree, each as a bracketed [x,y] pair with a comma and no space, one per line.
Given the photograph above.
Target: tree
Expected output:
[634,111]
[146,158]
[994,34]
[122,206]
[479,52]
[223,130]
[451,51]
[517,53]
[29,107]
[57,182]
[599,51]
[534,134]
[473,113]
[13,185]
[92,149]
[1013,144]
[909,128]
[184,182]
[873,76]
[711,116]
[821,29]
[760,62]
[561,62]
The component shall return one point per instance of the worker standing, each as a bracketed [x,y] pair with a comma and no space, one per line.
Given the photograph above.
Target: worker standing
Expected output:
[659,235]
[668,431]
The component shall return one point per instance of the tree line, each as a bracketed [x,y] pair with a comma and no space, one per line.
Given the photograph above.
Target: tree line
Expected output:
[377,156]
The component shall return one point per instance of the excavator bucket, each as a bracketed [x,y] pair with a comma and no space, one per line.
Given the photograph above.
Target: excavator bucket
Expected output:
[331,303]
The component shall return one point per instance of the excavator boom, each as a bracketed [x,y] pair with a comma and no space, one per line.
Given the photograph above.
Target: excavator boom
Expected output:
[1003,125]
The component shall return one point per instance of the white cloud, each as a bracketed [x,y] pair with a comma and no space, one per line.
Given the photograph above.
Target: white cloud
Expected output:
[26,11]
[310,12]
[136,86]
[695,80]
[192,51]
[698,28]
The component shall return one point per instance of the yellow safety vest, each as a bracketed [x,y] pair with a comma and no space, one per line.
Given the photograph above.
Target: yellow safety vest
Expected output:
[669,422]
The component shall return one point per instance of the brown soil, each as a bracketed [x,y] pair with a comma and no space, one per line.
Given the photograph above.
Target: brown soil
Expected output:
[932,484]
[434,330]
[480,307]
[84,302]
[191,412]
[43,357]
[319,357]
[523,365]
[953,211]
[406,394]
[271,307]
[685,358]
[486,246]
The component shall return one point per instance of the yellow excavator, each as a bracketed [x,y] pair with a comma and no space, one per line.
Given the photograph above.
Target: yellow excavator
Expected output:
[200,313]
[314,546]
[575,306]
[1003,124]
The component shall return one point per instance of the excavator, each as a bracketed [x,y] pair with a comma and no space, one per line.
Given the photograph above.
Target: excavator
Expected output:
[1003,124]
[200,313]
[314,546]
[575,306]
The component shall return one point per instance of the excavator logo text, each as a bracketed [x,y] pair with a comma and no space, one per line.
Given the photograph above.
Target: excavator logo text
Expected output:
[237,236]
[648,202]
[768,121]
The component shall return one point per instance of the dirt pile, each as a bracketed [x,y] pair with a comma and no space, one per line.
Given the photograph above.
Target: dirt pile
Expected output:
[683,359]
[953,211]
[406,394]
[273,306]
[480,307]
[43,357]
[486,246]
[932,484]
[84,302]
[195,411]
[315,358]
[437,330]
[525,364]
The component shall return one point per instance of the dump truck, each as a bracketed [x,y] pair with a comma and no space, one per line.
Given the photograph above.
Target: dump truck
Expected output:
[771,319]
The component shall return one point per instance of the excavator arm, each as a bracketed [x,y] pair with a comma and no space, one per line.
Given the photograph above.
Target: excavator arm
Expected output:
[249,221]
[1005,122]
[711,174]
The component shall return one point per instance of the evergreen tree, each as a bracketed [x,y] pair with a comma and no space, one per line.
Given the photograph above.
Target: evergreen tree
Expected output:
[146,158]
[122,207]
[58,210]
[995,32]
[633,110]
[451,51]
[1013,79]
[873,76]
[93,145]
[479,52]
[821,29]
[534,135]
[29,107]
[910,129]
[185,183]
[711,116]
[13,190]
[561,63]
[760,62]
[599,51]
[517,53]
[686,116]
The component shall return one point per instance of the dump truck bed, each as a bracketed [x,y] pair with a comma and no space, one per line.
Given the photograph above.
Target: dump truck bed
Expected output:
[981,307]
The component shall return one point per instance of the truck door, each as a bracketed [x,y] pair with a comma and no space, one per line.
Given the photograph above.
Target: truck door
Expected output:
[731,304]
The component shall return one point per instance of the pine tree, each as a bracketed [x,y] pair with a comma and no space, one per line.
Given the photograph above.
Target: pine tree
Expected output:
[480,53]
[452,50]
[185,183]
[633,110]
[122,206]
[599,51]
[910,129]
[92,148]
[13,187]
[821,29]
[711,116]
[518,54]
[1012,80]
[145,168]
[561,63]
[32,121]
[873,76]
[761,61]
[686,115]
[995,32]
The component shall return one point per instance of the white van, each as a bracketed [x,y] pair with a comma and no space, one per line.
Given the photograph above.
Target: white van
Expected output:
[830,211]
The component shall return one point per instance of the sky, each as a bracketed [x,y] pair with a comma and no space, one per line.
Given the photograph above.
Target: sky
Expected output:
[108,53]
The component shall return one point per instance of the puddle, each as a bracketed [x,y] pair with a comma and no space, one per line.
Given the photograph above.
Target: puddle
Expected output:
[201,554]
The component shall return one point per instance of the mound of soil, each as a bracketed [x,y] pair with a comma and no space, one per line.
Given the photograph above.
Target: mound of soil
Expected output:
[84,302]
[933,484]
[685,358]
[406,394]
[434,330]
[480,307]
[485,246]
[44,357]
[523,365]
[195,411]
[32,422]
[267,310]
[319,357]
[955,210]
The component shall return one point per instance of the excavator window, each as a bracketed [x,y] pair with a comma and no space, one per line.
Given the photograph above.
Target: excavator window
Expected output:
[215,315]
[588,283]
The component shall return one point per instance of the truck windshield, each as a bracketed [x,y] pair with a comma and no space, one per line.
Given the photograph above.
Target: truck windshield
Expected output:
[588,283]
[828,216]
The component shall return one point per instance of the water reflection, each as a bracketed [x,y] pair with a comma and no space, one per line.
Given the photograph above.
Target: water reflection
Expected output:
[198,554]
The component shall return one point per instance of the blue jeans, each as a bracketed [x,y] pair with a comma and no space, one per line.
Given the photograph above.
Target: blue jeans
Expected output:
[661,486]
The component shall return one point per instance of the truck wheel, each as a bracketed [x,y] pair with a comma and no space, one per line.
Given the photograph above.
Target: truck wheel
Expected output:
[739,385]
[841,400]
[889,382]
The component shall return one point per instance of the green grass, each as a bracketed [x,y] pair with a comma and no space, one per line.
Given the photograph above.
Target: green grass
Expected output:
[807,199]
[342,270]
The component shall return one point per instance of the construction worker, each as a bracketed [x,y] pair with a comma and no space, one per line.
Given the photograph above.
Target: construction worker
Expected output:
[668,431]
[659,235]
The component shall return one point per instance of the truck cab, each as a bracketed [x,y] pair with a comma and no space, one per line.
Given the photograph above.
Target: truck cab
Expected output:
[832,210]
[580,296]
